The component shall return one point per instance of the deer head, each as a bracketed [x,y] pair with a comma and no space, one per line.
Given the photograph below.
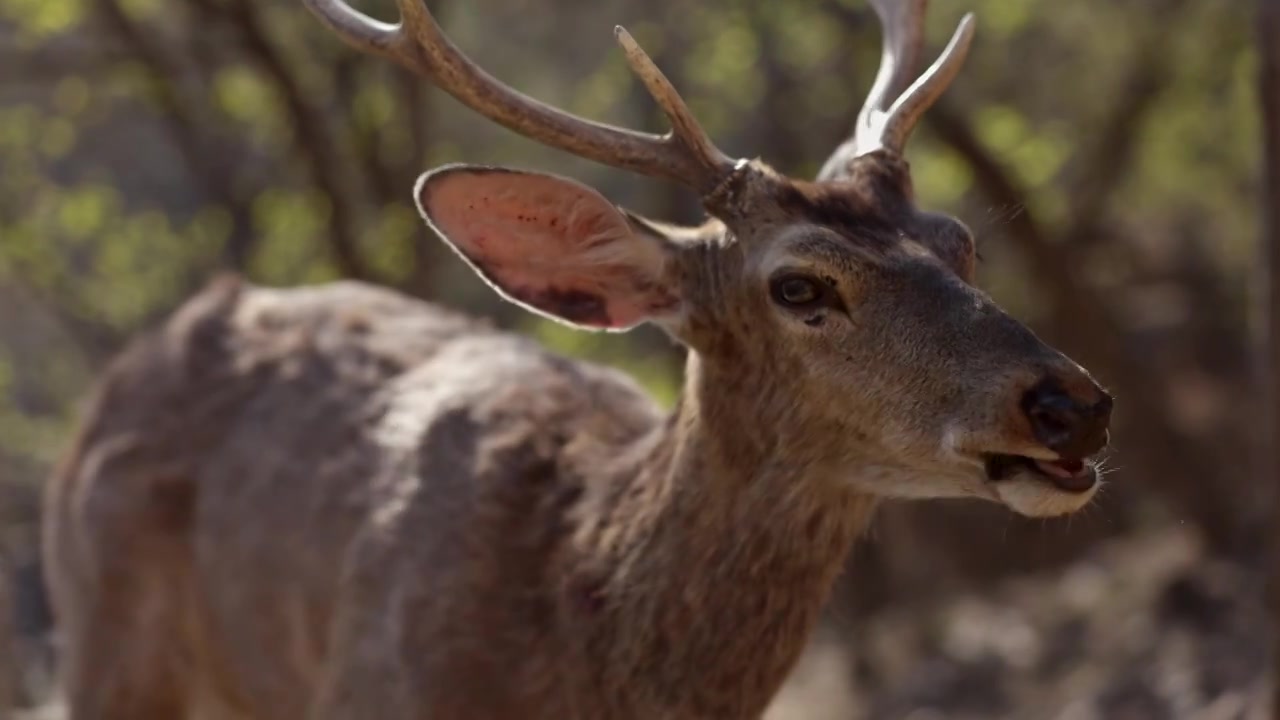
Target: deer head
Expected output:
[851,312]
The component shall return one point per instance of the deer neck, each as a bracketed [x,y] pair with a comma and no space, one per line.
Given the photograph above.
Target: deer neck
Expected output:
[714,554]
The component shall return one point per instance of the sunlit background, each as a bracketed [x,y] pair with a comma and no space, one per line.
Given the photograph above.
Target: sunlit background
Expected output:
[1107,155]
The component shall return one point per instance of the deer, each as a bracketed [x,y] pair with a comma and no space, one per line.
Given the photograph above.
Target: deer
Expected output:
[336,501]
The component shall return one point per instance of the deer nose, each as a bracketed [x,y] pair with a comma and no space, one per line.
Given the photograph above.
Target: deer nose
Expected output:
[1070,426]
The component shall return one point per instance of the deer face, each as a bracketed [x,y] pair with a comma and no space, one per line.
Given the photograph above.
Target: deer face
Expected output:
[863,310]
[855,310]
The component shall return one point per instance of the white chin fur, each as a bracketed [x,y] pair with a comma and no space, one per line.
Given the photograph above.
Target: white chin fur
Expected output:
[1036,498]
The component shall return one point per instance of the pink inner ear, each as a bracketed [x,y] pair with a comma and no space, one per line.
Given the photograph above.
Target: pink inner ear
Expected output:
[550,243]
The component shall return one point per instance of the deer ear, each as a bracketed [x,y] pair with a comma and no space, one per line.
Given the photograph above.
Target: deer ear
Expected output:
[552,245]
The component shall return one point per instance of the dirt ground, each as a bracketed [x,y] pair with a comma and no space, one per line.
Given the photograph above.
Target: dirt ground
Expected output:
[1145,628]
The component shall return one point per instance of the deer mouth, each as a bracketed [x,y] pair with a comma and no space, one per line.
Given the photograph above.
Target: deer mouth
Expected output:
[1069,475]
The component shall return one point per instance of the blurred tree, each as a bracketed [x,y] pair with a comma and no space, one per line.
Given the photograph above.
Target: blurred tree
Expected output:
[1267,458]
[8,663]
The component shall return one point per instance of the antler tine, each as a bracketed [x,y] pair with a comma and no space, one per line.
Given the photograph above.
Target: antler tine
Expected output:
[895,104]
[685,128]
[925,91]
[902,23]
[686,155]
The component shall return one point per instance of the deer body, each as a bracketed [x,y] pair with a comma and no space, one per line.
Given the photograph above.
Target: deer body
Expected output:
[470,480]
[338,503]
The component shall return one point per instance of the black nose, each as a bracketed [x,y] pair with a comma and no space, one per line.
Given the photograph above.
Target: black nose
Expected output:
[1072,427]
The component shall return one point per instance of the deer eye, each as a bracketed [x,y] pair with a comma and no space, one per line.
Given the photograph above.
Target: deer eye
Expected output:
[797,291]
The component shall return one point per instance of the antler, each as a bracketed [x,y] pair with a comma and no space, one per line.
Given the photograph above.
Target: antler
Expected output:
[685,155]
[895,104]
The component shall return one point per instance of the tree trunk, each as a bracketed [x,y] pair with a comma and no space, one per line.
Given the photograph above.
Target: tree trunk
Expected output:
[1268,39]
[8,663]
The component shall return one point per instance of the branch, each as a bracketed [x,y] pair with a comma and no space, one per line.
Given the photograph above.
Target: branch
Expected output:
[773,120]
[427,250]
[417,114]
[1111,157]
[315,141]
[382,181]
[1003,190]
[391,182]
[180,110]
[417,104]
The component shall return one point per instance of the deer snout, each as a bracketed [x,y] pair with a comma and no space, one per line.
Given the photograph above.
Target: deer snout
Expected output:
[1072,424]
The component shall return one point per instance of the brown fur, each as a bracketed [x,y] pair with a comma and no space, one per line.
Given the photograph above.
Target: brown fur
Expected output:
[337,502]
[249,513]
